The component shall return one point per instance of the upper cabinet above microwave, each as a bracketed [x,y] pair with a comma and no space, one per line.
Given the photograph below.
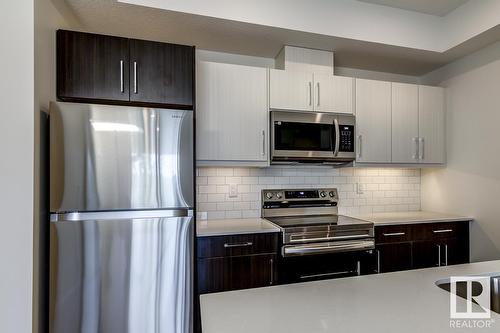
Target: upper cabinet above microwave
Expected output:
[304,91]
[114,70]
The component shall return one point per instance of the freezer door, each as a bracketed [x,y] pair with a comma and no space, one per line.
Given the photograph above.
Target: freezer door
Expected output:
[116,158]
[127,276]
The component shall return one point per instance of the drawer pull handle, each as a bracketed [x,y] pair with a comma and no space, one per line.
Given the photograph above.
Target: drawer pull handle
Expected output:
[395,234]
[227,245]
[442,231]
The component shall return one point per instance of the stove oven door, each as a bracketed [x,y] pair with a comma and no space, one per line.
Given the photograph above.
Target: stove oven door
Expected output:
[320,266]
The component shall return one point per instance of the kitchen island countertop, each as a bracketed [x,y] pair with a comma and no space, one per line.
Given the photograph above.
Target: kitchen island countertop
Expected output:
[396,302]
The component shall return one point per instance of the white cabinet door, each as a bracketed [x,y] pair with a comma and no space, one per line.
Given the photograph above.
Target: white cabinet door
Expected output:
[373,121]
[232,114]
[431,111]
[404,123]
[333,93]
[290,90]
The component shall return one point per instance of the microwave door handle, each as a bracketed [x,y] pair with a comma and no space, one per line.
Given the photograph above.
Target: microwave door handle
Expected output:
[337,136]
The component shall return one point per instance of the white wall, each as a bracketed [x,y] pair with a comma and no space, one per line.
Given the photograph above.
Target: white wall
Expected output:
[470,185]
[50,15]
[16,165]
[238,59]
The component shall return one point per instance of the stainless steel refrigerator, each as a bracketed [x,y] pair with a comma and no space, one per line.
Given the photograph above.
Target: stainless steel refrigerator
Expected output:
[121,230]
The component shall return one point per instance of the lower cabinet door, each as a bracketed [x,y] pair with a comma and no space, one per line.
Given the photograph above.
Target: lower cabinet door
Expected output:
[232,273]
[393,257]
[428,254]
[454,251]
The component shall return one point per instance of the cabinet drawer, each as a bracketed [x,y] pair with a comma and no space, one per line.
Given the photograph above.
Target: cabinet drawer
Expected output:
[393,233]
[434,231]
[236,245]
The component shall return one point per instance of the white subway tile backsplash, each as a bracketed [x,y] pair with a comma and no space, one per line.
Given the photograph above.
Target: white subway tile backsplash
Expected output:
[217,180]
[385,189]
[225,172]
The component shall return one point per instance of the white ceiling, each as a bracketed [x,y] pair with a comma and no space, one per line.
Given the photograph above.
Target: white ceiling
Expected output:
[432,7]
[245,36]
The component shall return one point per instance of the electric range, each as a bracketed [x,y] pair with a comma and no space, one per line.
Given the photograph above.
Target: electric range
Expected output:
[312,229]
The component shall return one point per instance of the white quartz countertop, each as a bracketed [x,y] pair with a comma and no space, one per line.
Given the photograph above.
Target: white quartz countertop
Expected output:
[411,217]
[233,227]
[397,302]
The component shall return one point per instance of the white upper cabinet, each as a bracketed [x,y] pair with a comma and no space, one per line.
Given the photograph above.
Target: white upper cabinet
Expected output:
[431,115]
[333,93]
[232,115]
[417,124]
[404,123]
[304,91]
[290,90]
[373,121]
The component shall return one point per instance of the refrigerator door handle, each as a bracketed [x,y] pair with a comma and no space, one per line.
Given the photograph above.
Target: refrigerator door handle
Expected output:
[124,214]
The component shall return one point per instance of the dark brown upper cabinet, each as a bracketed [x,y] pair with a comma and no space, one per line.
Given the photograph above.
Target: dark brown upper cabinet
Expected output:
[114,70]
[161,73]
[92,66]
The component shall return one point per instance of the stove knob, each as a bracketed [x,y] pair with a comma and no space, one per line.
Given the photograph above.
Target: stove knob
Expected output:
[269,195]
[322,194]
[278,195]
[331,194]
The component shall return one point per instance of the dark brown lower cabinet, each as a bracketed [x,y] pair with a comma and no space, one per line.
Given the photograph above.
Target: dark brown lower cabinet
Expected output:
[426,254]
[425,245]
[234,262]
[232,273]
[393,257]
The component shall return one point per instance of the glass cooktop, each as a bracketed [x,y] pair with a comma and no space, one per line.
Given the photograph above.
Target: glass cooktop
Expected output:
[315,220]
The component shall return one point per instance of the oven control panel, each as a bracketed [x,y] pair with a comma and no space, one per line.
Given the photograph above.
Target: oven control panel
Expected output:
[295,195]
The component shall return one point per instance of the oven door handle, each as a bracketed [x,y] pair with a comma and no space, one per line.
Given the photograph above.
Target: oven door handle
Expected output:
[334,238]
[337,136]
[334,247]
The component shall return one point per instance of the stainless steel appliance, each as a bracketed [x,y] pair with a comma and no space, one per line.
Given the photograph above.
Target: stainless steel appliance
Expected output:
[122,232]
[317,242]
[312,137]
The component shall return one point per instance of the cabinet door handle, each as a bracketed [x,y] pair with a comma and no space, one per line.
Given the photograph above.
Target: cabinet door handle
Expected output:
[442,231]
[317,87]
[446,254]
[359,145]
[421,147]
[439,255]
[263,142]
[271,262]
[395,234]
[121,75]
[378,261]
[310,93]
[415,155]
[229,245]
[135,77]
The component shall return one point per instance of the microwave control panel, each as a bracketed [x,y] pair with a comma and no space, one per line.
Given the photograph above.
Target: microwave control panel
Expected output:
[346,138]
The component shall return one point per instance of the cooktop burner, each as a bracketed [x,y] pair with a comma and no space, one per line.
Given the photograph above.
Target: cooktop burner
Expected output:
[315,220]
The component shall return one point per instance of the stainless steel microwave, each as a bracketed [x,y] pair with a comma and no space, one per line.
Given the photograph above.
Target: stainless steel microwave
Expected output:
[312,137]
